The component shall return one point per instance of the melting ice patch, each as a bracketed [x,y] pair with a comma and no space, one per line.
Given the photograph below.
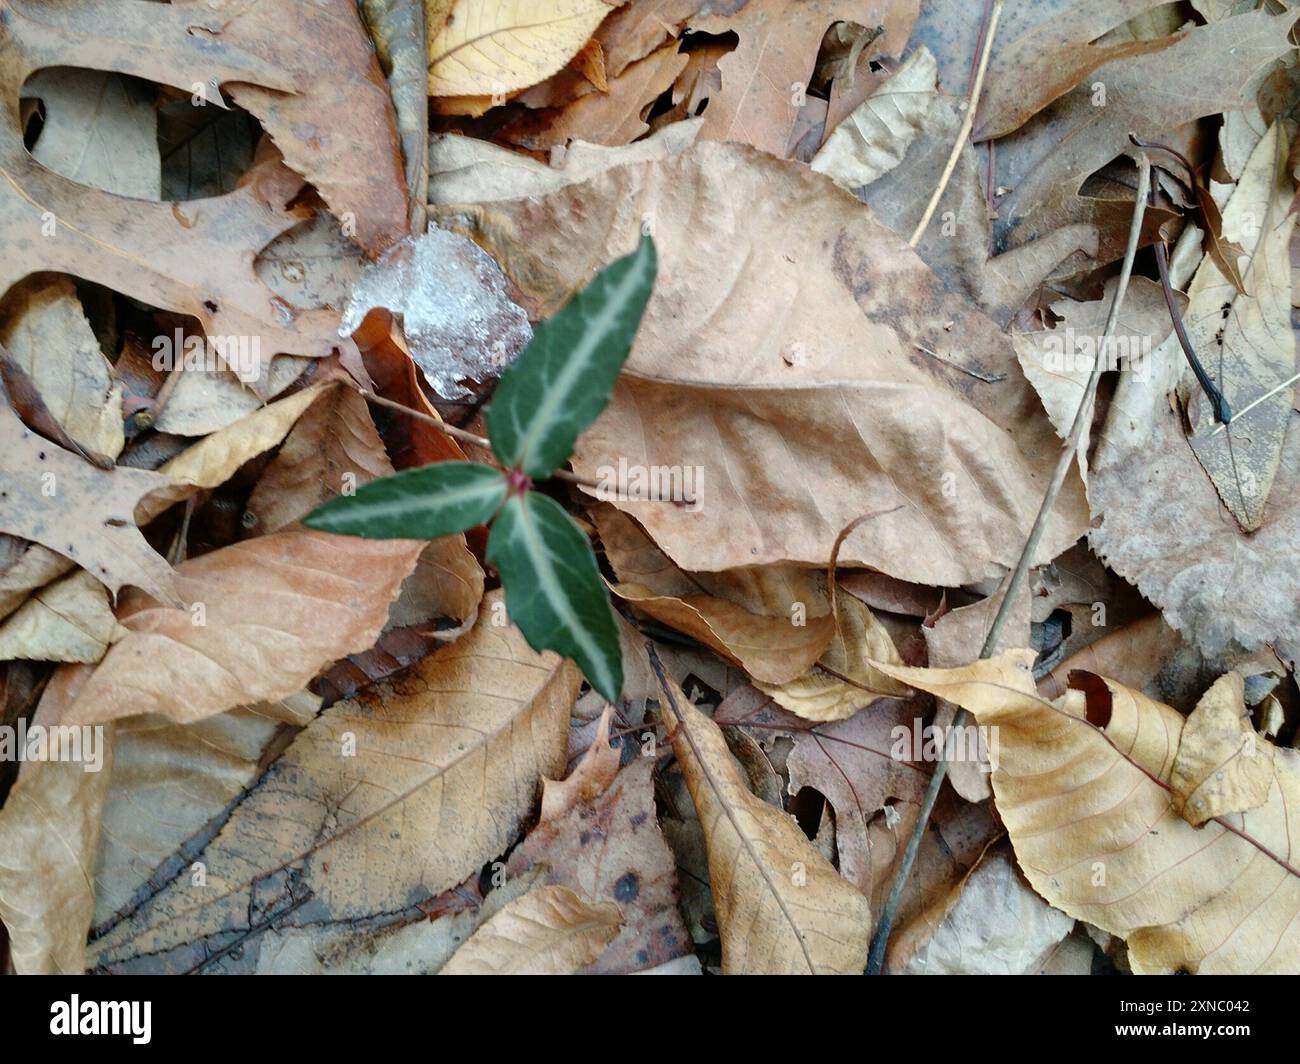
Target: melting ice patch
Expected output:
[451,297]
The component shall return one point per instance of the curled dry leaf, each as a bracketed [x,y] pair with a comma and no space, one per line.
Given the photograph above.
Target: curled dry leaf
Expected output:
[490,47]
[263,617]
[446,768]
[1090,788]
[332,449]
[842,682]
[549,931]
[773,649]
[45,331]
[781,907]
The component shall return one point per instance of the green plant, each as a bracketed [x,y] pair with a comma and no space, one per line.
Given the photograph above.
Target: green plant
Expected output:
[558,387]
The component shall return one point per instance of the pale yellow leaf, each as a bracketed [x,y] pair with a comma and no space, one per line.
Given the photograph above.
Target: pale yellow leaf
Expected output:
[489,47]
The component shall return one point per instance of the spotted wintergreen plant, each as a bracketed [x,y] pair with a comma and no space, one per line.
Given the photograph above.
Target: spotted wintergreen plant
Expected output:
[556,388]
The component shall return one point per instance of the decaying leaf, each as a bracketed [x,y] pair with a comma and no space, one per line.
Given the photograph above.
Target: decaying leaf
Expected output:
[261,619]
[1087,790]
[59,500]
[781,906]
[1245,338]
[549,931]
[873,139]
[446,766]
[842,682]
[764,79]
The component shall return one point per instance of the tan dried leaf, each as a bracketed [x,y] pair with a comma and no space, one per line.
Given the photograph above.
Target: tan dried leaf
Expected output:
[490,47]
[69,620]
[782,908]
[447,762]
[59,500]
[873,139]
[549,931]
[1085,787]
[263,617]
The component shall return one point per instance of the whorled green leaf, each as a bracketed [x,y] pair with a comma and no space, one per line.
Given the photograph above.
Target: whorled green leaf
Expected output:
[553,588]
[564,378]
[425,503]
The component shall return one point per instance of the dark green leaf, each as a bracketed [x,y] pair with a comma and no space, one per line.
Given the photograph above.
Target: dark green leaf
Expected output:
[563,380]
[553,588]
[425,503]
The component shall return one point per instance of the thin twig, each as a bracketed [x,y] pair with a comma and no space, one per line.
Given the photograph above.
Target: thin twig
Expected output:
[1218,404]
[964,133]
[1254,403]
[463,436]
[1082,417]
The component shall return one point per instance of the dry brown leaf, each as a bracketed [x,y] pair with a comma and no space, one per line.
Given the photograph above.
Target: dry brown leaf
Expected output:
[332,449]
[1046,161]
[764,79]
[1043,50]
[589,779]
[1059,361]
[25,567]
[774,649]
[83,513]
[797,379]
[216,458]
[990,923]
[781,907]
[45,331]
[873,139]
[263,617]
[842,682]
[69,620]
[49,829]
[599,835]
[851,763]
[100,129]
[169,780]
[490,47]
[338,129]
[1222,766]
[549,931]
[1161,525]
[1245,340]
[1086,791]
[446,767]
[613,117]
